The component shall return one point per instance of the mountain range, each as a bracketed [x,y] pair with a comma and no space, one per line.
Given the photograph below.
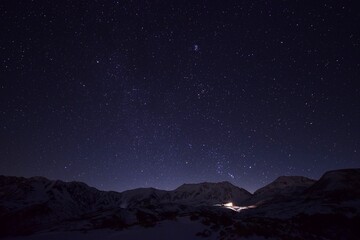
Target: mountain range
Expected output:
[291,207]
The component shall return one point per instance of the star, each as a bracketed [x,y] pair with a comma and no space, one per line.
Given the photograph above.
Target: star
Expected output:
[196,48]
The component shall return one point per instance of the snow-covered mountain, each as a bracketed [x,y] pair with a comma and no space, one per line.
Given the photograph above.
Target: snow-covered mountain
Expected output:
[284,186]
[288,208]
[209,193]
[143,197]
[187,194]
[340,184]
[17,193]
[33,202]
[336,192]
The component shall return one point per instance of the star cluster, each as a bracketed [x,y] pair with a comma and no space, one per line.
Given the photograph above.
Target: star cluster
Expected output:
[125,94]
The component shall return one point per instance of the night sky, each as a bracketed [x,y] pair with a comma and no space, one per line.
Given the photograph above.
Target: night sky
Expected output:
[126,94]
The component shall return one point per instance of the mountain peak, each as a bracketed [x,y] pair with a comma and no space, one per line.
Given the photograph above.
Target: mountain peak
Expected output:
[293,180]
[284,182]
[343,172]
[210,193]
[281,186]
[338,180]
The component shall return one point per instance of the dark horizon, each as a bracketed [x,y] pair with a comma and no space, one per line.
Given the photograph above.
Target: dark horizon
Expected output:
[135,94]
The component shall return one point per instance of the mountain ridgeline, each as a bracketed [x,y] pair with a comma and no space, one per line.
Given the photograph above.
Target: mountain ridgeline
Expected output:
[30,205]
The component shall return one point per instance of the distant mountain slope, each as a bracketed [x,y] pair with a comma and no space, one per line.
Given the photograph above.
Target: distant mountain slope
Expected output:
[336,192]
[16,193]
[57,200]
[339,184]
[187,194]
[144,197]
[209,193]
[31,203]
[284,186]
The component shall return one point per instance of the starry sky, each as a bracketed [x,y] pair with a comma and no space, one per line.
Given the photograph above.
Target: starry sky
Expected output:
[126,94]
